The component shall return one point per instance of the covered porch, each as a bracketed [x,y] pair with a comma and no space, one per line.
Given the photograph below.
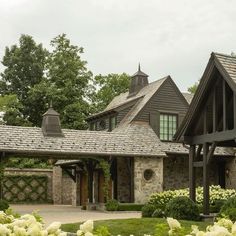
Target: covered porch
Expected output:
[211,121]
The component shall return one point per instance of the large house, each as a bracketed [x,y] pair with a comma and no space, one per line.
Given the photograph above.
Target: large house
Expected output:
[144,159]
[133,136]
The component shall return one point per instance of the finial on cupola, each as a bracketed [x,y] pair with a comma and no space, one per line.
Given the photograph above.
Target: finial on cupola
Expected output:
[138,81]
[51,125]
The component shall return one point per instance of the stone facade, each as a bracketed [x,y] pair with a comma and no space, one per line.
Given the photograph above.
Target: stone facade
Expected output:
[62,187]
[175,173]
[230,176]
[142,187]
[123,180]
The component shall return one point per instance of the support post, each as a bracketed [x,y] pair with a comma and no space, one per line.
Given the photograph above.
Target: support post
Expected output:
[192,182]
[214,113]
[90,186]
[224,107]
[234,107]
[205,180]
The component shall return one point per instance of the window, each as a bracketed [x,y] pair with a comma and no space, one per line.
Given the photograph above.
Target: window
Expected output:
[113,123]
[168,125]
[93,126]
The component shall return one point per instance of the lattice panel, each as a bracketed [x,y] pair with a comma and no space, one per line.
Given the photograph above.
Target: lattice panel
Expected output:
[24,188]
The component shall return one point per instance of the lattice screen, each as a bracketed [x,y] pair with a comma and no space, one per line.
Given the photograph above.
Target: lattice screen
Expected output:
[24,188]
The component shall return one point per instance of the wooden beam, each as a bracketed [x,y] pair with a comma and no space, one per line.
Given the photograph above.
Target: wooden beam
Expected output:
[210,138]
[211,152]
[198,164]
[234,107]
[214,113]
[198,154]
[205,180]
[224,107]
[205,120]
[192,181]
[69,171]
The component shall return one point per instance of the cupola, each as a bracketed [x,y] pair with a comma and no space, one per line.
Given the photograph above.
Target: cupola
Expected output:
[138,81]
[51,125]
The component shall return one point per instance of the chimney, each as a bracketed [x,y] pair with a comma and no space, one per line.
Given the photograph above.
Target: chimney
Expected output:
[51,125]
[138,81]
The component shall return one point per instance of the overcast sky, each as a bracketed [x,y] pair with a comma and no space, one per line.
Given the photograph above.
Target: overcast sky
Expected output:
[168,37]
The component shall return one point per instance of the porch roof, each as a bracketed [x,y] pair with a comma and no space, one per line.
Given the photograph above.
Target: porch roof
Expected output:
[136,140]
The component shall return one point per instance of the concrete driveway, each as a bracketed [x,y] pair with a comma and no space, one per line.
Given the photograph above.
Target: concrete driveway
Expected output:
[69,214]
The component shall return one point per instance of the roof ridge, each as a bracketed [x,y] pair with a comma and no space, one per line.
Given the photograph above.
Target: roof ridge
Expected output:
[223,54]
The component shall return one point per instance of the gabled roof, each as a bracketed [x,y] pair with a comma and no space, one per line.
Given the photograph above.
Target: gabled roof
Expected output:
[226,65]
[188,97]
[123,99]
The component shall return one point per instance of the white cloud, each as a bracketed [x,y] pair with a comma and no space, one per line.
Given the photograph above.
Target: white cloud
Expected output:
[167,37]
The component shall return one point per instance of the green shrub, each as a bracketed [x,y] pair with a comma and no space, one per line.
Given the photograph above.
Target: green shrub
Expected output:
[182,208]
[148,210]
[228,210]
[130,207]
[3,205]
[112,205]
[158,213]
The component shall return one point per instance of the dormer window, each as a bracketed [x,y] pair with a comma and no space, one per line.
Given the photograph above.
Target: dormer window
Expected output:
[168,125]
[113,122]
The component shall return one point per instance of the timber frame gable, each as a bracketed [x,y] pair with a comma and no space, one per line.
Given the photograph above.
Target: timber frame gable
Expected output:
[210,120]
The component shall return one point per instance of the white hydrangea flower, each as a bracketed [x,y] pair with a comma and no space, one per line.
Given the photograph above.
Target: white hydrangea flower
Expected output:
[173,223]
[79,232]
[225,223]
[87,226]
[88,234]
[4,231]
[19,231]
[53,227]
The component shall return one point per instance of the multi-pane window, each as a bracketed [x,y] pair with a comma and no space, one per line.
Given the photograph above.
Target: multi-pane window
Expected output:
[113,123]
[168,125]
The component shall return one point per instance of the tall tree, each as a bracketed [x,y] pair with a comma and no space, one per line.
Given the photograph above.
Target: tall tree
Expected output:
[193,88]
[24,68]
[109,86]
[66,84]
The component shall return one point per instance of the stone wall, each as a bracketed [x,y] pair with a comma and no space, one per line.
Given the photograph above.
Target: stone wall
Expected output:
[39,172]
[230,177]
[62,187]
[142,187]
[123,179]
[176,174]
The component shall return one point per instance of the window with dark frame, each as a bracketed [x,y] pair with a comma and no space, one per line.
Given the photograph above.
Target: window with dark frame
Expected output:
[113,122]
[168,126]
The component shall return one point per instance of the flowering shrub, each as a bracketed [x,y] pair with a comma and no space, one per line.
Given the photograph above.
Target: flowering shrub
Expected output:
[223,227]
[27,225]
[216,194]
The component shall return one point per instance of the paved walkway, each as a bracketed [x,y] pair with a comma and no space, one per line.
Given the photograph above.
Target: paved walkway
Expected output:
[69,214]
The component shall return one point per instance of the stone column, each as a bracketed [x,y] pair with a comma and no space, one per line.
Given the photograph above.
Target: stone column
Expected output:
[143,188]
[75,195]
[57,185]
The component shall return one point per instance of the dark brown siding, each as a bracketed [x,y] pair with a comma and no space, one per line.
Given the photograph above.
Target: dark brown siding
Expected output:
[167,99]
[122,114]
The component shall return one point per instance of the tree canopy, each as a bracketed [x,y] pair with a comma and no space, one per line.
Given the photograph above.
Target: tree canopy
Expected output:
[193,88]
[34,76]
[109,86]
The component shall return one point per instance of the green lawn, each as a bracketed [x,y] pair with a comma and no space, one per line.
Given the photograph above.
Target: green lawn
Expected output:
[137,227]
